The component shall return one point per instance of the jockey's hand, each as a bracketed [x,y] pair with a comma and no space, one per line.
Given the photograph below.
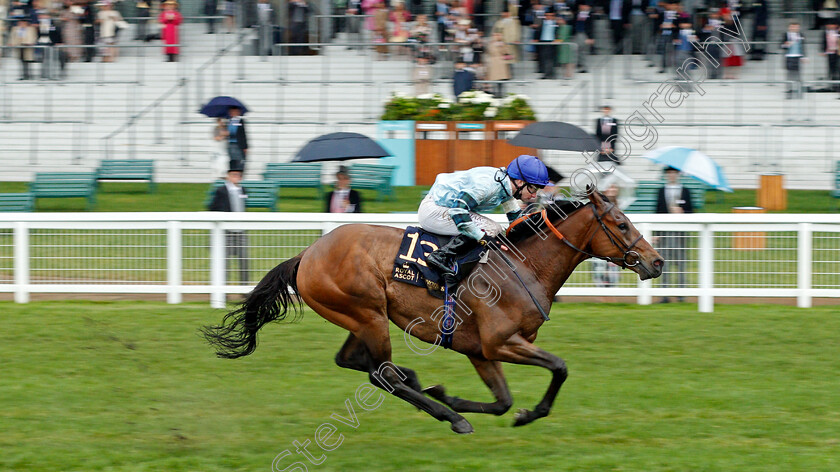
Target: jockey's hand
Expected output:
[484,240]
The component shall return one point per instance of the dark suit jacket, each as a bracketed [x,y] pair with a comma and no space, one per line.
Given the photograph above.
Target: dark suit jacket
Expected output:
[785,38]
[539,30]
[241,136]
[588,24]
[685,196]
[599,133]
[354,198]
[53,35]
[221,199]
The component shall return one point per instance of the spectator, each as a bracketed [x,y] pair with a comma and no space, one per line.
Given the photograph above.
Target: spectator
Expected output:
[24,35]
[636,17]
[761,14]
[584,34]
[398,18]
[735,59]
[298,29]
[231,197]
[830,45]
[463,79]
[71,29]
[354,27]
[794,45]
[673,198]
[230,15]
[420,34]
[171,19]
[712,30]
[685,51]
[606,130]
[380,28]
[211,8]
[498,62]
[667,33]
[144,12]
[343,199]
[237,139]
[508,27]
[265,20]
[110,22]
[547,34]
[88,18]
[422,75]
[617,12]
[441,13]
[49,36]
[220,162]
[565,55]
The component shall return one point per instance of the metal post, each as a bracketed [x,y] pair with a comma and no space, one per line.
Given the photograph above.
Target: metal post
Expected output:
[33,143]
[706,300]
[217,266]
[88,104]
[173,262]
[804,265]
[21,241]
[48,101]
[158,134]
[737,89]
[644,297]
[132,132]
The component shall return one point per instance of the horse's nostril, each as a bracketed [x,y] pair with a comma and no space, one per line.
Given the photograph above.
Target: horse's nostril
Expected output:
[658,263]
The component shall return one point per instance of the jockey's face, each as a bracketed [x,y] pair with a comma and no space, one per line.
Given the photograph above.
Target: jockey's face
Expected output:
[529,192]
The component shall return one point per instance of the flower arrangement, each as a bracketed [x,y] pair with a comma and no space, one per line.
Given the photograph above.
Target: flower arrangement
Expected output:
[472,105]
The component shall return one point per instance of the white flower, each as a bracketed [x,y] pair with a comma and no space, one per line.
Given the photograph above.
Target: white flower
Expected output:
[443,105]
[426,96]
[490,112]
[496,103]
[400,94]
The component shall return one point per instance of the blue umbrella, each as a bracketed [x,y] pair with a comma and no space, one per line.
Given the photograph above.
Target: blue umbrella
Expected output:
[691,162]
[218,107]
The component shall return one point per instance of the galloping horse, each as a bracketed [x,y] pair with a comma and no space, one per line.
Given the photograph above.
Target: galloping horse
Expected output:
[344,277]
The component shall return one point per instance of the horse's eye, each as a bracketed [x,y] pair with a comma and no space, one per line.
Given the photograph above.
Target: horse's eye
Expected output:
[622,226]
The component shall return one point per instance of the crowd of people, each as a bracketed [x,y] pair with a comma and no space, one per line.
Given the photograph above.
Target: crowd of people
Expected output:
[85,29]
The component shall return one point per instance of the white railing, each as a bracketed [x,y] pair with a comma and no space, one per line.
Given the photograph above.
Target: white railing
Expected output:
[709,255]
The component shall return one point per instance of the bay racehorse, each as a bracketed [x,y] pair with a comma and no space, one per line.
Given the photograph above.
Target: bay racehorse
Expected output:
[345,277]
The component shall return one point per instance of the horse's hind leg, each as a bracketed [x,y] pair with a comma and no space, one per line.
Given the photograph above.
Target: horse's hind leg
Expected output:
[355,355]
[491,373]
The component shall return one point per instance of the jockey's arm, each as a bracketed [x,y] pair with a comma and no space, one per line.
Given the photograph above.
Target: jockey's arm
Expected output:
[511,209]
[460,214]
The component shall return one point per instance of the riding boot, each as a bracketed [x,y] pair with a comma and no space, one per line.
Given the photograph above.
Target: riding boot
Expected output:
[443,258]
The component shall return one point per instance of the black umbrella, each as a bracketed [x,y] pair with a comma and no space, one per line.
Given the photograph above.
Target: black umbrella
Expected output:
[340,147]
[218,107]
[555,135]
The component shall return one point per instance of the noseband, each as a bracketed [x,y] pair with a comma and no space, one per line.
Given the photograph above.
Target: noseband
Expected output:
[614,239]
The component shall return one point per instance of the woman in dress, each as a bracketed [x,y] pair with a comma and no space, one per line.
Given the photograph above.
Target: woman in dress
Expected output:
[171,19]
[71,29]
[109,20]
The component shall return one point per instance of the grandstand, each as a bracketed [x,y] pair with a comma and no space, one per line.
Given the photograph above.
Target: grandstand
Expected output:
[143,108]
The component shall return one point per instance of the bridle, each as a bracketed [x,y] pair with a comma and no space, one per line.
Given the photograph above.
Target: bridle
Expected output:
[614,239]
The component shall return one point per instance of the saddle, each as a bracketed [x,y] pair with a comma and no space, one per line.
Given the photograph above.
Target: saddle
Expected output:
[410,263]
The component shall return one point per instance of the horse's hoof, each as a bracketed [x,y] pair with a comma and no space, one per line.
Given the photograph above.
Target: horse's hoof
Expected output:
[435,391]
[522,417]
[462,426]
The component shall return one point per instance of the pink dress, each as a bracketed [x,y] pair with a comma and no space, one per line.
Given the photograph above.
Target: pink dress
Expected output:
[170,19]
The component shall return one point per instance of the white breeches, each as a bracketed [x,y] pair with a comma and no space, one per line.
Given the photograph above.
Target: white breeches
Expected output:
[436,219]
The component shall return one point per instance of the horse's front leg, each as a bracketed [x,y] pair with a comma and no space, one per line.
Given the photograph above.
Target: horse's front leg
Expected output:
[518,350]
[492,375]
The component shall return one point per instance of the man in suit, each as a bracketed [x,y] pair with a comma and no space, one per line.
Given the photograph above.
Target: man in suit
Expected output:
[24,35]
[794,45]
[298,18]
[232,197]
[49,34]
[547,33]
[583,32]
[237,139]
[673,198]
[606,130]
[343,199]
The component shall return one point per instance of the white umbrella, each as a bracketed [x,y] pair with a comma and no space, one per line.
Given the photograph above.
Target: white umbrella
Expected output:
[691,162]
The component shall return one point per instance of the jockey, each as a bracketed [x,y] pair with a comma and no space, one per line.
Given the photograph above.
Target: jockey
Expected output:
[453,204]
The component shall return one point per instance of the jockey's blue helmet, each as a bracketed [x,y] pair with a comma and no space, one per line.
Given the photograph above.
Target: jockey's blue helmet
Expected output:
[528,169]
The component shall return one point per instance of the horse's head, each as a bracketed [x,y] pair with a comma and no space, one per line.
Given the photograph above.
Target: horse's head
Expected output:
[618,240]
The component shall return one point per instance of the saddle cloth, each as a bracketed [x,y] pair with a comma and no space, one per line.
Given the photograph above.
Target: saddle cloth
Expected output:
[410,264]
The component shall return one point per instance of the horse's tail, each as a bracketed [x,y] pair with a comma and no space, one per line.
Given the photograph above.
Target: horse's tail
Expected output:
[236,336]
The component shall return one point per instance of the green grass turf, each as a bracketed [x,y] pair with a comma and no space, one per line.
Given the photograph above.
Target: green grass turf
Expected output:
[129,386]
[130,196]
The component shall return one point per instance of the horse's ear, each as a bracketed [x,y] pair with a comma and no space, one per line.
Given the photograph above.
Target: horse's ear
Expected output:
[593,195]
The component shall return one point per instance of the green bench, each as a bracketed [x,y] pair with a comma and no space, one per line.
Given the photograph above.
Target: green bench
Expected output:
[647,193]
[295,175]
[130,169]
[372,176]
[261,194]
[65,185]
[23,202]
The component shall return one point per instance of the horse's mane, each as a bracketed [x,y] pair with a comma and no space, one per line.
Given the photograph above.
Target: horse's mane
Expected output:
[558,210]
